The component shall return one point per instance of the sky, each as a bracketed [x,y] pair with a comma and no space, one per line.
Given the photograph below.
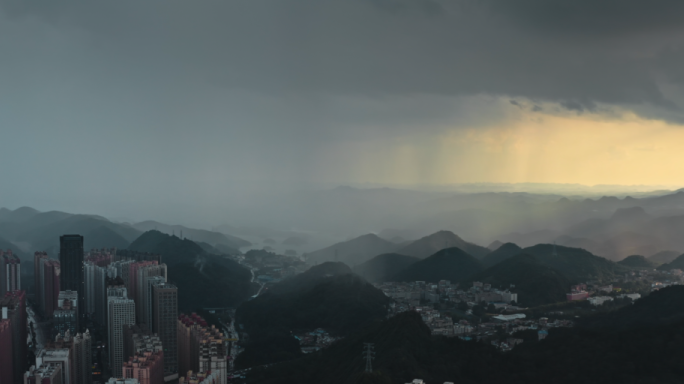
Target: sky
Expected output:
[159,103]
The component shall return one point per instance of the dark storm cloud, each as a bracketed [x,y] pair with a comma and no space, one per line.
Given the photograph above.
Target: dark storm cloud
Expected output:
[576,53]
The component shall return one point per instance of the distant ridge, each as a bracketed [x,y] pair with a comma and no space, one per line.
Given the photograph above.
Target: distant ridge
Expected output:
[502,253]
[428,245]
[637,261]
[354,251]
[663,257]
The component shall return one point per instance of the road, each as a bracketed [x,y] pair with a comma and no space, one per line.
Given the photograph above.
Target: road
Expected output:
[40,328]
[261,285]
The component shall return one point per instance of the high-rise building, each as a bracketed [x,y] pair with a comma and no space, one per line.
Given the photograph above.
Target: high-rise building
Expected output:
[10,275]
[147,297]
[132,284]
[66,315]
[37,268]
[143,299]
[83,359]
[79,356]
[165,317]
[72,275]
[6,360]
[59,356]
[120,312]
[186,324]
[134,337]
[96,291]
[147,362]
[201,348]
[13,307]
[50,373]
[50,286]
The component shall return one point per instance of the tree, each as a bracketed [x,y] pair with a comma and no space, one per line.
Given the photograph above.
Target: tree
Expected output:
[463,306]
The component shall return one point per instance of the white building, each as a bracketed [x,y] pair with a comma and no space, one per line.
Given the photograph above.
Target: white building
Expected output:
[507,297]
[633,296]
[599,300]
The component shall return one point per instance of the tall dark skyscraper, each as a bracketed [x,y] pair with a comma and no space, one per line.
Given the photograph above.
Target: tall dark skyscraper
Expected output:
[72,276]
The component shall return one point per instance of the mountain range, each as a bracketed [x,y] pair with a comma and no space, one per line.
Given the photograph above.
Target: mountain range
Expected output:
[29,230]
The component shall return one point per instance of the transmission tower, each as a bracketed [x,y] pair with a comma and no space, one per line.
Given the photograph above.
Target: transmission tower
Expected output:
[369,355]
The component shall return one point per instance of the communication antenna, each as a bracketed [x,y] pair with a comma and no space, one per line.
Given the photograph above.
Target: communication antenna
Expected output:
[369,355]
[336,254]
[554,254]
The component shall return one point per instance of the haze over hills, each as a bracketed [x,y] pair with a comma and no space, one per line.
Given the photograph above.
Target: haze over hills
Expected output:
[663,257]
[384,267]
[209,237]
[637,261]
[677,263]
[30,230]
[448,264]
[353,251]
[428,245]
[500,254]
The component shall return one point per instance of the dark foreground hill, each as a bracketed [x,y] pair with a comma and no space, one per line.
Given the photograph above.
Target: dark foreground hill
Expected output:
[535,282]
[429,245]
[448,264]
[405,350]
[203,279]
[637,261]
[384,267]
[338,302]
[576,264]
[500,254]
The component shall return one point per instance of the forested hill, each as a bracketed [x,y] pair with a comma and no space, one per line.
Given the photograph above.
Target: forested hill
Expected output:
[637,261]
[340,303]
[535,282]
[448,264]
[576,264]
[203,279]
[405,350]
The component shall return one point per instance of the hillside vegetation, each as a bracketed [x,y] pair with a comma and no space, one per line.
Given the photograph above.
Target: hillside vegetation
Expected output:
[639,352]
[637,261]
[325,297]
[448,264]
[535,282]
[203,279]
[383,267]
